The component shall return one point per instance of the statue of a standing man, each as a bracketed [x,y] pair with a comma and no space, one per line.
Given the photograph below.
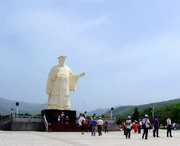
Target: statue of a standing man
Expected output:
[61,81]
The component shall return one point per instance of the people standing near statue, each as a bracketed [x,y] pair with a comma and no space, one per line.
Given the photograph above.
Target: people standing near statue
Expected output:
[145,126]
[135,126]
[169,127]
[106,126]
[67,120]
[128,125]
[88,124]
[140,126]
[93,127]
[174,126]
[81,123]
[61,118]
[124,127]
[100,124]
[156,126]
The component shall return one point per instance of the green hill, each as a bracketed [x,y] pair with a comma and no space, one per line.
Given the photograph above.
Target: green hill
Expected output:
[124,110]
[163,110]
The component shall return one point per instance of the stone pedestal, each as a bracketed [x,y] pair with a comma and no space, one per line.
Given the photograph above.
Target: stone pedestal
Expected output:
[59,120]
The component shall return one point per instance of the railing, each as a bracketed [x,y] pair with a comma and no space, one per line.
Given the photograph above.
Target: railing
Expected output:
[45,122]
[5,117]
[5,121]
[26,118]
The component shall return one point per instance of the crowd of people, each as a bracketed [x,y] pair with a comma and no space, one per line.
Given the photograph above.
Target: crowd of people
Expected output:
[145,125]
[141,126]
[92,125]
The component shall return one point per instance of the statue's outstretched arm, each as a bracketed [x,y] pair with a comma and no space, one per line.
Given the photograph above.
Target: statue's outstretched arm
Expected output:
[73,80]
[78,76]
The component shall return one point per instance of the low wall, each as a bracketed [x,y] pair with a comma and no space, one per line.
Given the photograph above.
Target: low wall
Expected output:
[27,124]
[5,125]
[5,122]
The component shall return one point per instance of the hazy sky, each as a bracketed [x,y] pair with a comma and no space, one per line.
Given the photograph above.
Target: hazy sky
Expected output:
[129,49]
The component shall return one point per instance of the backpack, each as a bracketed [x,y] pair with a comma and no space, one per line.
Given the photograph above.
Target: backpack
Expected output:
[144,124]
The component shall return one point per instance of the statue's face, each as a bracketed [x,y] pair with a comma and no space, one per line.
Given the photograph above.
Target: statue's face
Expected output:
[61,60]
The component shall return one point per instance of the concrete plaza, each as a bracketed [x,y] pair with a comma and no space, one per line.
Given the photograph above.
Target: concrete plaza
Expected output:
[9,138]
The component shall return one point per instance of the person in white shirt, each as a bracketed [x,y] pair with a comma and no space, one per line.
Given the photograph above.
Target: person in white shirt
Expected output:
[145,126]
[100,124]
[81,123]
[128,125]
[169,127]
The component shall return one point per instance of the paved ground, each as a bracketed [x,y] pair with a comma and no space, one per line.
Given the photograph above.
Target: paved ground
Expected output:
[76,139]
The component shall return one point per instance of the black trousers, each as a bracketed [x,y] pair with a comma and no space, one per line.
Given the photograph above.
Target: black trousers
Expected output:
[156,132]
[93,130]
[128,133]
[169,131]
[99,130]
[145,133]
[105,129]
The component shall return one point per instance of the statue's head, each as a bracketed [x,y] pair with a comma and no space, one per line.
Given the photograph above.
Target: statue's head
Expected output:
[62,59]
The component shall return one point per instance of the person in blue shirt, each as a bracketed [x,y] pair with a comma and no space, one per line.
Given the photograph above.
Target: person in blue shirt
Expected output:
[93,127]
[156,126]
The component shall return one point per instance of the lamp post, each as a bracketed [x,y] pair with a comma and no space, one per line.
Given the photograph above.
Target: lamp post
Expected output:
[85,113]
[17,108]
[112,113]
[153,108]
[12,112]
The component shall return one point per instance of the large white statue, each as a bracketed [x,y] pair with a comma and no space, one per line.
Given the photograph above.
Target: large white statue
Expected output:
[61,81]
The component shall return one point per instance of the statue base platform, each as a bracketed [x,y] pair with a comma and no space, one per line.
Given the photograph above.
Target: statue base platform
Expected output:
[60,120]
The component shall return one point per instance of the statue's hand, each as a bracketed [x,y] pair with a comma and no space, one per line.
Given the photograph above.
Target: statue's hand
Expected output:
[82,74]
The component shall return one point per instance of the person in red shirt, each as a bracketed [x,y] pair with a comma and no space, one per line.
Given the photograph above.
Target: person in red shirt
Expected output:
[135,126]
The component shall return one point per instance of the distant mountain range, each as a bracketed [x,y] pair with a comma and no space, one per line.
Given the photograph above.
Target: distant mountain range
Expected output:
[24,107]
[98,111]
[34,108]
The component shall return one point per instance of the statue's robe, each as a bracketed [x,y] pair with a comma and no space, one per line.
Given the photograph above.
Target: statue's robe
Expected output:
[61,81]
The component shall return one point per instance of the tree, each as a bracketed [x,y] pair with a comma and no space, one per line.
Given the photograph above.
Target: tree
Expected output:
[135,115]
[120,119]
